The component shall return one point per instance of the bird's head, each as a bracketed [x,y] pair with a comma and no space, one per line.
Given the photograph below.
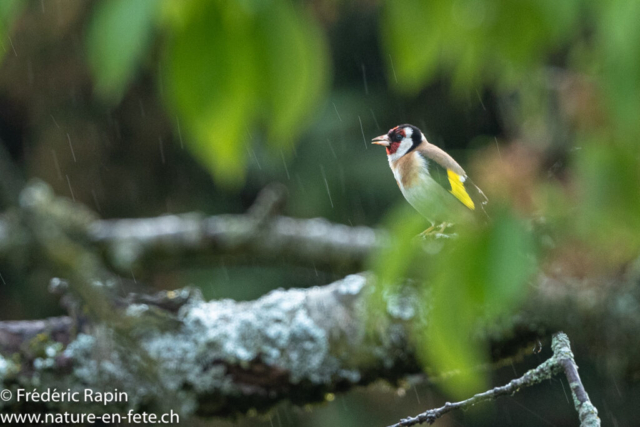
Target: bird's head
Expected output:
[400,140]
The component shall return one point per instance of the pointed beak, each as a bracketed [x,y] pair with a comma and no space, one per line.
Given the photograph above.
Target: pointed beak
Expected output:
[381,140]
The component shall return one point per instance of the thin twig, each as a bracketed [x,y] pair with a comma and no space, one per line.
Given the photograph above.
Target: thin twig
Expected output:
[562,359]
[586,411]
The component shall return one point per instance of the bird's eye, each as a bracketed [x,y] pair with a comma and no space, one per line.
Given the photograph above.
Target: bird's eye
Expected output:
[397,137]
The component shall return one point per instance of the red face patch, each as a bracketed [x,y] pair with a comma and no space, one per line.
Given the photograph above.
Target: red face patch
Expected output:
[395,136]
[392,148]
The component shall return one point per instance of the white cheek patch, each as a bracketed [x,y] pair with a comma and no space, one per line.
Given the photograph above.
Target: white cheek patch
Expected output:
[405,146]
[408,132]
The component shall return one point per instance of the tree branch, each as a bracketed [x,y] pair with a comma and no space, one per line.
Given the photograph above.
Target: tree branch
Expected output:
[146,244]
[221,357]
[562,359]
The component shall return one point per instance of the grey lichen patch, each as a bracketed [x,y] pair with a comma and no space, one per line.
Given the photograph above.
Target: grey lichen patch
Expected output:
[277,329]
[136,310]
[7,369]
[352,284]
[48,360]
[215,340]
[588,415]
[401,303]
[100,364]
[231,355]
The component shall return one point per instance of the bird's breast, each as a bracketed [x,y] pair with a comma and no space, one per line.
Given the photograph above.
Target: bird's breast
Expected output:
[409,170]
[419,188]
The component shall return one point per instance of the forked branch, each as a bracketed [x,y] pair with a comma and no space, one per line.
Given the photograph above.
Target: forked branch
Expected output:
[562,360]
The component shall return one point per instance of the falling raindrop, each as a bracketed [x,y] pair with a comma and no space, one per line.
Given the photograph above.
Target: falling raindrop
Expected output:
[73,197]
[286,169]
[393,68]
[364,78]
[480,99]
[336,108]
[375,119]
[12,46]
[179,133]
[564,391]
[73,154]
[95,199]
[252,153]
[55,162]
[326,183]
[417,395]
[161,149]
[364,138]
[331,148]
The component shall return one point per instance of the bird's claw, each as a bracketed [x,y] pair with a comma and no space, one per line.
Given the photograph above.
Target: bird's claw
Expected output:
[436,231]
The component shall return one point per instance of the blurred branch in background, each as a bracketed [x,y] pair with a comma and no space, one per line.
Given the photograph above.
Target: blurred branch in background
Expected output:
[148,244]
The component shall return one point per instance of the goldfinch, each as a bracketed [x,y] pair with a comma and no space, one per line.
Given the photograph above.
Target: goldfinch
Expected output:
[430,179]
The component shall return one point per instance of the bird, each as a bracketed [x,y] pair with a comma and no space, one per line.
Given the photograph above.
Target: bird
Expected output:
[431,180]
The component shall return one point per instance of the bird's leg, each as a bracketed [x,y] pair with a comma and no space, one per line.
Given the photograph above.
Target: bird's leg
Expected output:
[436,229]
[428,231]
[444,226]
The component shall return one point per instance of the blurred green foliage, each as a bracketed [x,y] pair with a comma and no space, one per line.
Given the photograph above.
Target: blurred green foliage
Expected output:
[476,41]
[9,10]
[226,64]
[118,40]
[508,45]
[229,67]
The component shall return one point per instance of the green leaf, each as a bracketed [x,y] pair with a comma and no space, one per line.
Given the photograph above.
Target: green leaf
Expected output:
[618,50]
[9,10]
[473,41]
[393,263]
[211,80]
[609,210]
[481,276]
[409,40]
[294,67]
[118,37]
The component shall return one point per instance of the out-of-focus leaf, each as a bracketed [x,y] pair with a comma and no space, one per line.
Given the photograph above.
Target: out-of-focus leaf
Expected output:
[618,53]
[405,254]
[212,84]
[9,10]
[472,40]
[119,35]
[293,63]
[482,275]
[229,61]
[609,215]
[404,224]
[410,40]
[473,278]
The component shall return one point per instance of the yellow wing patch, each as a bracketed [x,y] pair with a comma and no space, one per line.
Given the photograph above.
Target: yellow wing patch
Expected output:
[458,190]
